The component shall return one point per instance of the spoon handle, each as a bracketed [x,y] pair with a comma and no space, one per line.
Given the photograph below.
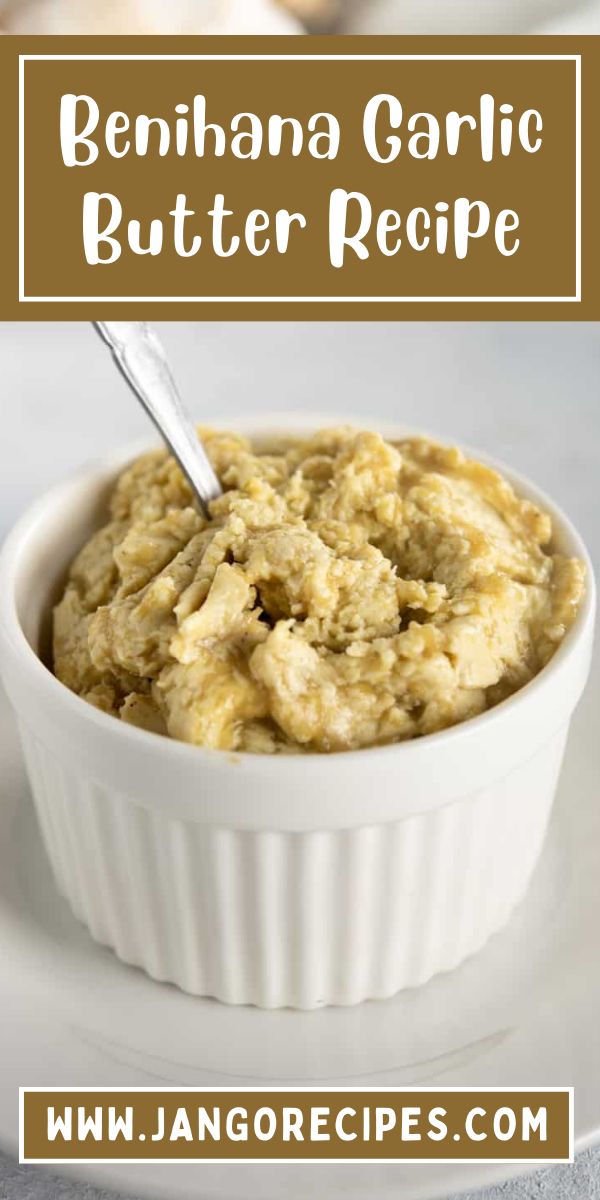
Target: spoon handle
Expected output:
[142,361]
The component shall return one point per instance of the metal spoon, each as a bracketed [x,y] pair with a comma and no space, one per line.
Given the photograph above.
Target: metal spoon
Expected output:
[143,363]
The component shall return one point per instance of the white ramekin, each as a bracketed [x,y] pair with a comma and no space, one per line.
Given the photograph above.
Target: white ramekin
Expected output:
[304,880]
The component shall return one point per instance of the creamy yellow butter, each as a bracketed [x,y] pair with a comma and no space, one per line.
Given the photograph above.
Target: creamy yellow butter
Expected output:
[347,591]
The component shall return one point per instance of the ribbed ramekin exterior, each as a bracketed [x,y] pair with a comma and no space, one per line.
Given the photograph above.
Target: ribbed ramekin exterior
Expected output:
[299,919]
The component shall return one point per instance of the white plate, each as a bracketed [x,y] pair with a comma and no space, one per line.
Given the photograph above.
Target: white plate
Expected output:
[523,1012]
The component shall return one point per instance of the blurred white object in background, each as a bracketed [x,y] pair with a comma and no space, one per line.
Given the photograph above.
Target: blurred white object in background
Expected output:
[146,16]
[316,14]
[444,16]
[582,19]
[285,16]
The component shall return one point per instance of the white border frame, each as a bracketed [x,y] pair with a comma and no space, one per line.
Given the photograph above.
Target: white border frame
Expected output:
[241,1092]
[25,299]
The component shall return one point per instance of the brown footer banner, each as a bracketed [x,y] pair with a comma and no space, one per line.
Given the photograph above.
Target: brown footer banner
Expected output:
[530,1125]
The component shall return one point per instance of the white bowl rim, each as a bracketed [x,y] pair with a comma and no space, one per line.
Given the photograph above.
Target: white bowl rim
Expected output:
[274,424]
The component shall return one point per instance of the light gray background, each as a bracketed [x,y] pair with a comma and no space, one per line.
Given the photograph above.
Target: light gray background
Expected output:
[527,393]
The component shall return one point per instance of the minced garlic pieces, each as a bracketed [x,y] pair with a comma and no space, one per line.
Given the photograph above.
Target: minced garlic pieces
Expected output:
[347,591]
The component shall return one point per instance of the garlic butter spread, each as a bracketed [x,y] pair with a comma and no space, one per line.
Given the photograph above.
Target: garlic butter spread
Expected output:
[347,591]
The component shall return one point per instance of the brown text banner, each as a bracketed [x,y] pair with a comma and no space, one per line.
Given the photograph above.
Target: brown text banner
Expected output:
[306,1125]
[301,178]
